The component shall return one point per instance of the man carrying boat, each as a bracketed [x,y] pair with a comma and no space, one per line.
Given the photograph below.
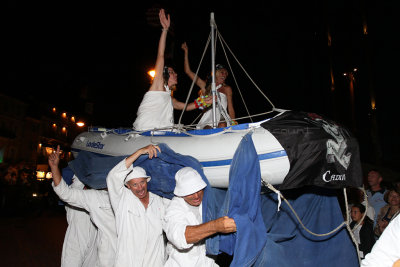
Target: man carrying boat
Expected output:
[138,213]
[97,203]
[183,222]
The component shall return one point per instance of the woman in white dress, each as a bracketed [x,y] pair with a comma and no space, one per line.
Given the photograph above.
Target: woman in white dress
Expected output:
[225,113]
[157,107]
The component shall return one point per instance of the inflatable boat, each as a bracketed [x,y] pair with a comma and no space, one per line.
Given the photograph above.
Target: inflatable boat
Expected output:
[213,148]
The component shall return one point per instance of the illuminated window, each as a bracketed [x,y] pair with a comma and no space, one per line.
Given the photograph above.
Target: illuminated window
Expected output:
[40,175]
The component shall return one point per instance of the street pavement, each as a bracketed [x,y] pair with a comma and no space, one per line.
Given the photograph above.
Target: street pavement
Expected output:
[34,239]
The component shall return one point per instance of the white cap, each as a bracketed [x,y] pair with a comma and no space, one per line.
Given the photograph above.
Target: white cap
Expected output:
[137,172]
[188,181]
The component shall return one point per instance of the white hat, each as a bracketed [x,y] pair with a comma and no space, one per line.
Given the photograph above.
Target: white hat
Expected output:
[137,172]
[188,181]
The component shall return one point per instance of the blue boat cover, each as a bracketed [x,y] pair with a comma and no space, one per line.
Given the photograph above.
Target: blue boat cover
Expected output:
[242,203]
[288,244]
[265,236]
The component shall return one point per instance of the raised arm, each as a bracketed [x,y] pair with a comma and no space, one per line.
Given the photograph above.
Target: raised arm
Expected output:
[186,66]
[194,234]
[116,177]
[151,150]
[158,82]
[74,197]
[54,160]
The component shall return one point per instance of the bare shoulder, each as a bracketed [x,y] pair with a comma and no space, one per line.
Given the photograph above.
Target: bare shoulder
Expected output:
[226,89]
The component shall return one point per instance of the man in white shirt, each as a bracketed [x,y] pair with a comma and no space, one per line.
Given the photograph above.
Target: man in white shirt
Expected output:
[376,192]
[97,203]
[80,237]
[184,226]
[138,213]
[386,251]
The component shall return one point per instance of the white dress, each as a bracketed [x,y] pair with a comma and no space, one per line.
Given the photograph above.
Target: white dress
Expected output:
[155,111]
[207,117]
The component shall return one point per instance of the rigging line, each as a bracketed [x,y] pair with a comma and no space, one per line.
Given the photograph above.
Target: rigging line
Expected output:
[237,119]
[200,114]
[347,222]
[233,74]
[195,78]
[255,115]
[215,50]
[273,106]
[270,186]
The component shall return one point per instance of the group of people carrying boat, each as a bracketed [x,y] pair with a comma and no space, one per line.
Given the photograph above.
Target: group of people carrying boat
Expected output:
[123,224]
[132,226]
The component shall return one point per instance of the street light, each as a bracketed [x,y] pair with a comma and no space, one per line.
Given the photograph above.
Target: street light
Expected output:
[152,73]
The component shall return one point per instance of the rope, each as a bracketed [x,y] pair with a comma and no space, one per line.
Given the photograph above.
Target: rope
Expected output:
[273,106]
[270,186]
[353,238]
[233,75]
[223,44]
[346,222]
[195,78]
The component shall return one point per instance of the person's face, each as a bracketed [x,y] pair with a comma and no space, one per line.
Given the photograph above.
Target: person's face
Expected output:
[355,214]
[195,199]
[138,186]
[374,178]
[221,75]
[394,199]
[173,77]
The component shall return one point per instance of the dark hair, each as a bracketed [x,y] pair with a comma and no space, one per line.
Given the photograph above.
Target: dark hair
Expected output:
[219,67]
[360,206]
[166,74]
[386,196]
[375,170]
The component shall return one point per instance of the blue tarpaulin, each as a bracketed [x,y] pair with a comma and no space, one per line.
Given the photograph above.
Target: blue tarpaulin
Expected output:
[288,244]
[242,203]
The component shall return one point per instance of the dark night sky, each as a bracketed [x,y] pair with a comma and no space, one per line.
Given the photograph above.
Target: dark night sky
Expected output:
[56,50]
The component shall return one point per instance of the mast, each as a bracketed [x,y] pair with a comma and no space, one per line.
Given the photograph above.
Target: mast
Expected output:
[213,26]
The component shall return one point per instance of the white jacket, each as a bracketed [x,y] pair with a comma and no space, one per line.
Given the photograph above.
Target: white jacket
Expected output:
[97,203]
[387,248]
[178,216]
[140,234]
[80,236]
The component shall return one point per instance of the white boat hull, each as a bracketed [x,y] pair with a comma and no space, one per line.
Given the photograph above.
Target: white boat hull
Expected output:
[214,151]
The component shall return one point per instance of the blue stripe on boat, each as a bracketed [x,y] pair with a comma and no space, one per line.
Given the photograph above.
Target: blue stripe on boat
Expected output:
[215,163]
[271,155]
